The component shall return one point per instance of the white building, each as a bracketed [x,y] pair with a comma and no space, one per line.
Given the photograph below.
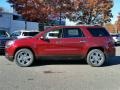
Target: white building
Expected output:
[12,22]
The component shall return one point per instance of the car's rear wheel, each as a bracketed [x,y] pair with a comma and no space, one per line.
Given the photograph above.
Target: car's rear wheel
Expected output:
[24,57]
[96,58]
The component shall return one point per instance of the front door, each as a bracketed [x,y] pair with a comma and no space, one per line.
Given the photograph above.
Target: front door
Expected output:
[50,44]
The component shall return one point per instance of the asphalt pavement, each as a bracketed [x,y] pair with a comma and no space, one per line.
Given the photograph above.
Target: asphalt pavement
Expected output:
[60,75]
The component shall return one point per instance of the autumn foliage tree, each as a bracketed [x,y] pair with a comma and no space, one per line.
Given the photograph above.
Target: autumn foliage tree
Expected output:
[41,10]
[92,12]
[62,7]
[117,24]
[82,11]
[33,10]
[110,27]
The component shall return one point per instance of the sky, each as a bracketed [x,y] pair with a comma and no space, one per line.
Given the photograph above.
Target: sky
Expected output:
[115,9]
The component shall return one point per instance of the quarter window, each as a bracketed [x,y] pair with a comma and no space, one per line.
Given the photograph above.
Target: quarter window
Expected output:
[98,32]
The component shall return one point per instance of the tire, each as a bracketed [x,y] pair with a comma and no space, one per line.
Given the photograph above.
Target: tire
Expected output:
[24,57]
[96,58]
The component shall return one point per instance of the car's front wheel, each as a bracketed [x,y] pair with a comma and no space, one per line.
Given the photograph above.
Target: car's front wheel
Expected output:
[96,58]
[24,57]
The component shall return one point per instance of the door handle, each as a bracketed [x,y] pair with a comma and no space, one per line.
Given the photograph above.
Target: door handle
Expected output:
[83,41]
[58,42]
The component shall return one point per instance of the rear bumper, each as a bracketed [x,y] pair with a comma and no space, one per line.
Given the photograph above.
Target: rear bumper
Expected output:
[110,52]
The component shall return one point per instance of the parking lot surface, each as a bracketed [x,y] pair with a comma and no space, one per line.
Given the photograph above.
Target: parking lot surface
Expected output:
[60,75]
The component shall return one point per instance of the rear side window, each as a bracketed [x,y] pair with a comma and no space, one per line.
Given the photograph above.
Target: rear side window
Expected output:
[72,33]
[98,32]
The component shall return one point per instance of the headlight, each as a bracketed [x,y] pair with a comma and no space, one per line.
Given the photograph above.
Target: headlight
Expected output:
[9,43]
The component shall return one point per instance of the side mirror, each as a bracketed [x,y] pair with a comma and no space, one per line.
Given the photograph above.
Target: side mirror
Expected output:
[43,38]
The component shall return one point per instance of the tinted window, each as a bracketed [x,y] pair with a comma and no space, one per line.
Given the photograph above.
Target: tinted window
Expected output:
[72,32]
[16,34]
[98,32]
[18,17]
[117,35]
[30,33]
[3,33]
[114,35]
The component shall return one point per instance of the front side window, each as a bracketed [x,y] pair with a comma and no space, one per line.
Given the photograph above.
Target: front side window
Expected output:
[72,33]
[54,34]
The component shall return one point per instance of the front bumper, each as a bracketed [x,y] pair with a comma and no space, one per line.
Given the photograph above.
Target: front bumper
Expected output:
[10,58]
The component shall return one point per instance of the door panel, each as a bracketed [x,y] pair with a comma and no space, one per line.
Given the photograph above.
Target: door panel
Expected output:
[49,46]
[67,46]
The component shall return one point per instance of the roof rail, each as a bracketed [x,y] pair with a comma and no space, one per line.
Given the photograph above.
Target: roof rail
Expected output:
[89,25]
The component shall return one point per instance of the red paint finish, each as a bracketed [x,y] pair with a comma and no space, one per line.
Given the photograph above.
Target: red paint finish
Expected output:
[72,46]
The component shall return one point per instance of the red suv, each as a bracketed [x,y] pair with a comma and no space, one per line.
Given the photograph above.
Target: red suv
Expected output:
[90,43]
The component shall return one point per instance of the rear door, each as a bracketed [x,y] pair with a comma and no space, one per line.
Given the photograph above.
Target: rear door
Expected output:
[72,42]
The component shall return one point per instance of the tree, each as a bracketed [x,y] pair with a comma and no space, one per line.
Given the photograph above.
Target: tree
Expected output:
[117,24]
[92,12]
[110,27]
[41,10]
[61,7]
[81,11]
[32,10]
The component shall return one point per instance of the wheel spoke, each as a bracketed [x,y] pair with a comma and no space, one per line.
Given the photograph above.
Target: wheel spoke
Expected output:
[24,57]
[96,57]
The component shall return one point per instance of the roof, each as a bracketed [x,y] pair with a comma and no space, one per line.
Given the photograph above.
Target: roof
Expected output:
[27,31]
[77,26]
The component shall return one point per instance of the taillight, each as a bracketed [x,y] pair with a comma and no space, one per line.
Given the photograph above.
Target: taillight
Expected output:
[111,41]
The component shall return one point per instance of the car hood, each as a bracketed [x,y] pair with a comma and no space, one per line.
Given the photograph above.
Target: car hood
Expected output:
[27,38]
[25,41]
